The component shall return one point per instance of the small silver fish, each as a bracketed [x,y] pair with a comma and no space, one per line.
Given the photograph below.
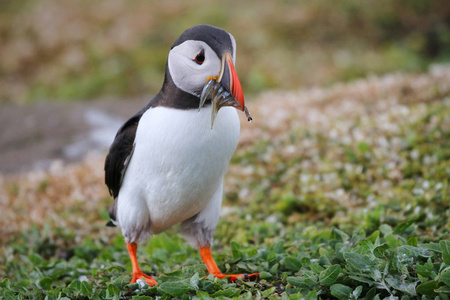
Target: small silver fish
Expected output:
[220,97]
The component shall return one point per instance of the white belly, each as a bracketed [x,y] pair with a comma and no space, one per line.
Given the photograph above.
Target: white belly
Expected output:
[177,165]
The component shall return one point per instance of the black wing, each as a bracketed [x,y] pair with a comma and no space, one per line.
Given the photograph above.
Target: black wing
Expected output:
[118,157]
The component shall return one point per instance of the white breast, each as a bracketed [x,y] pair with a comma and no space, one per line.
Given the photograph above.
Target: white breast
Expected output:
[177,165]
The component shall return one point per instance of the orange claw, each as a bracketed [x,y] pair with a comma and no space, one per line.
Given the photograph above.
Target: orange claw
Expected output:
[208,260]
[137,272]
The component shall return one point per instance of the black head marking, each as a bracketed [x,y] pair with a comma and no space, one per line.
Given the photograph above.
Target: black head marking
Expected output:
[218,39]
[170,95]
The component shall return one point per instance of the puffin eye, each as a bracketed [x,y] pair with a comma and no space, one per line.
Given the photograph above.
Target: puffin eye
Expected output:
[200,58]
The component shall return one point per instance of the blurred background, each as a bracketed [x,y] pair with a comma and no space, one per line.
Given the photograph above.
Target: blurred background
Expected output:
[75,69]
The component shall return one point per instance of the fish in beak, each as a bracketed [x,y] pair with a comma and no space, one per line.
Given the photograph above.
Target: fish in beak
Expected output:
[224,90]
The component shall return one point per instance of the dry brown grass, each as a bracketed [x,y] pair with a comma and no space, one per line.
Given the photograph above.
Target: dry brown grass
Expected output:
[64,197]
[278,112]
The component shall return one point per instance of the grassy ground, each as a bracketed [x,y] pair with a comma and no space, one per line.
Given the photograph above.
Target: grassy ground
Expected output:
[333,193]
[84,50]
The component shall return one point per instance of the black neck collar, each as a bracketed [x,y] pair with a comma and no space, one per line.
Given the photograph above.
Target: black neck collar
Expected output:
[172,96]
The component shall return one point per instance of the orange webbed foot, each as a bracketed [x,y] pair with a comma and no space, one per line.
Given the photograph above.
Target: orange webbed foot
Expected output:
[205,253]
[137,273]
[140,275]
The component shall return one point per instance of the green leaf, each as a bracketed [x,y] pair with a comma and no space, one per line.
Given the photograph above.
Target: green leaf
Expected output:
[10,295]
[295,281]
[292,263]
[324,261]
[278,247]
[426,269]
[371,293]
[174,288]
[172,276]
[381,251]
[203,295]
[401,285]
[274,269]
[432,247]
[325,252]
[45,283]
[386,229]
[412,251]
[195,279]
[121,281]
[339,234]
[23,283]
[357,292]
[445,246]
[309,278]
[35,258]
[311,295]
[405,226]
[305,261]
[443,290]
[363,278]
[236,250]
[268,292]
[265,275]
[113,290]
[445,278]
[86,288]
[75,285]
[428,288]
[186,297]
[412,241]
[373,237]
[230,292]
[329,276]
[5,283]
[271,255]
[316,268]
[341,291]
[141,298]
[391,240]
[359,262]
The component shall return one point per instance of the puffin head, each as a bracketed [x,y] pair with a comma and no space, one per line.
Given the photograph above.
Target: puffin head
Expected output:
[203,52]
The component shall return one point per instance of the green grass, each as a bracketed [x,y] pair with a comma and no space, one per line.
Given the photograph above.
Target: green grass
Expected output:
[390,261]
[319,217]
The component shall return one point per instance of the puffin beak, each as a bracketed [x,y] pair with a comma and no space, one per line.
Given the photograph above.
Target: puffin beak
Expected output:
[224,90]
[230,80]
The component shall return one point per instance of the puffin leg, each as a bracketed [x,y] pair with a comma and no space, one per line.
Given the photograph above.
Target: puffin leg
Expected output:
[137,272]
[205,253]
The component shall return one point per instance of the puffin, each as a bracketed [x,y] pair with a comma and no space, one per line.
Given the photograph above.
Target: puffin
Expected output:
[167,163]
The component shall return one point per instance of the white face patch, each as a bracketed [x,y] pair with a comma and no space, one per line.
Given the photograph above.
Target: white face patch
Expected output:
[187,74]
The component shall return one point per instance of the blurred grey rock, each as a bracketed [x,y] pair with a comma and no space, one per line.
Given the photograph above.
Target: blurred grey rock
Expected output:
[32,136]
